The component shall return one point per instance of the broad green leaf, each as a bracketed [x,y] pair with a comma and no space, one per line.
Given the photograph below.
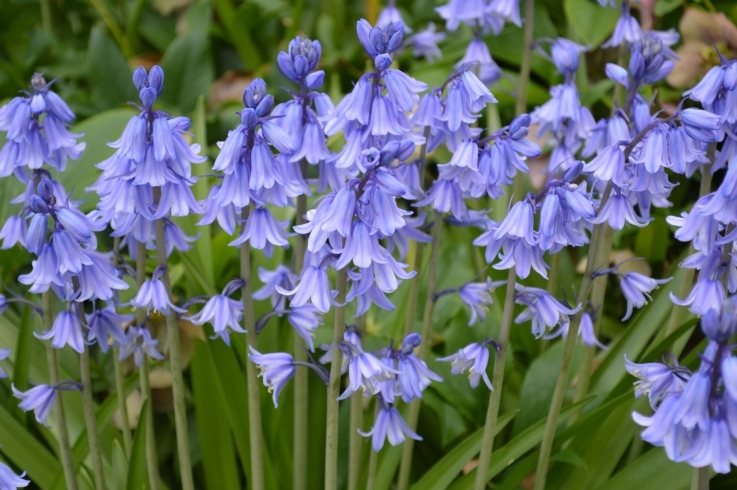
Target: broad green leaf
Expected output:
[189,71]
[120,467]
[651,470]
[592,22]
[108,72]
[537,388]
[447,469]
[23,449]
[507,454]
[238,34]
[137,467]
[663,7]
[218,452]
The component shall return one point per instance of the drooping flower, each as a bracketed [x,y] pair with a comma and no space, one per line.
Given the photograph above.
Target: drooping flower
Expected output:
[137,343]
[389,425]
[475,358]
[222,312]
[66,330]
[276,370]
[9,480]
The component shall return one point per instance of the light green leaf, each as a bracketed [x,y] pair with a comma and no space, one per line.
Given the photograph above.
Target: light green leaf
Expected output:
[592,22]
[537,388]
[120,467]
[652,470]
[218,453]
[447,469]
[137,468]
[23,449]
[189,71]
[506,455]
[108,72]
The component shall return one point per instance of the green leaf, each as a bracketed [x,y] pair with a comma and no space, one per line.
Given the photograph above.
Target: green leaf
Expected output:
[537,388]
[218,454]
[23,449]
[137,467]
[506,455]
[652,241]
[189,71]
[98,131]
[652,470]
[238,34]
[663,7]
[447,469]
[569,456]
[108,72]
[120,467]
[592,22]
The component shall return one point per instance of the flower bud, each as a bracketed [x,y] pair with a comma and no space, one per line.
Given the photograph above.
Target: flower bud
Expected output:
[38,205]
[315,80]
[519,122]
[156,79]
[140,79]
[46,190]
[573,171]
[74,222]
[148,97]
[249,118]
[264,107]
[254,93]
[383,62]
[36,236]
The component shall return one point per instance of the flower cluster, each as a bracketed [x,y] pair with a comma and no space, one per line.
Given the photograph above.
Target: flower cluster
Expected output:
[694,412]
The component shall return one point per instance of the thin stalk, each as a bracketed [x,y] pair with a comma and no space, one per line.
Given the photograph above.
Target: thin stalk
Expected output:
[254,395]
[65,450]
[700,479]
[414,408]
[331,429]
[119,378]
[88,407]
[678,312]
[598,291]
[565,369]
[152,459]
[553,281]
[374,458]
[301,407]
[492,412]
[46,18]
[524,72]
[175,362]
[355,441]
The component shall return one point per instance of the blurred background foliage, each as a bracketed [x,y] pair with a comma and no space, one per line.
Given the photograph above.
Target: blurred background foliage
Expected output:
[210,49]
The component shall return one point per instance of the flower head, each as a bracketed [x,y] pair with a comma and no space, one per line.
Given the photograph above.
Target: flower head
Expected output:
[475,358]
[276,370]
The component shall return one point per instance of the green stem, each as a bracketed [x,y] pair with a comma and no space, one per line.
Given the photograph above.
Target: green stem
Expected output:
[524,72]
[175,361]
[88,407]
[354,438]
[565,369]
[331,429]
[598,291]
[120,378]
[700,479]
[65,450]
[254,395]
[131,28]
[46,18]
[112,25]
[152,458]
[301,407]
[492,412]
[374,458]
[414,408]
[678,312]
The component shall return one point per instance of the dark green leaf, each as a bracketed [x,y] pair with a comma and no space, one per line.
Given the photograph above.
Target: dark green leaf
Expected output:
[137,468]
[108,72]
[188,69]
[592,22]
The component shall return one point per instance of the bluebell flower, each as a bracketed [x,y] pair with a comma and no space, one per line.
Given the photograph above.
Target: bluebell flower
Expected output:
[14,232]
[4,353]
[617,211]
[656,380]
[446,196]
[282,277]
[707,294]
[627,30]
[543,310]
[222,312]
[37,133]
[518,223]
[390,13]
[507,10]
[389,425]
[380,39]
[636,288]
[456,12]
[414,375]
[477,53]
[40,399]
[9,480]
[137,343]
[566,55]
[106,326]
[475,358]
[365,371]
[478,296]
[66,330]
[313,287]
[305,320]
[153,296]
[349,336]
[424,43]
[261,232]
[276,370]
